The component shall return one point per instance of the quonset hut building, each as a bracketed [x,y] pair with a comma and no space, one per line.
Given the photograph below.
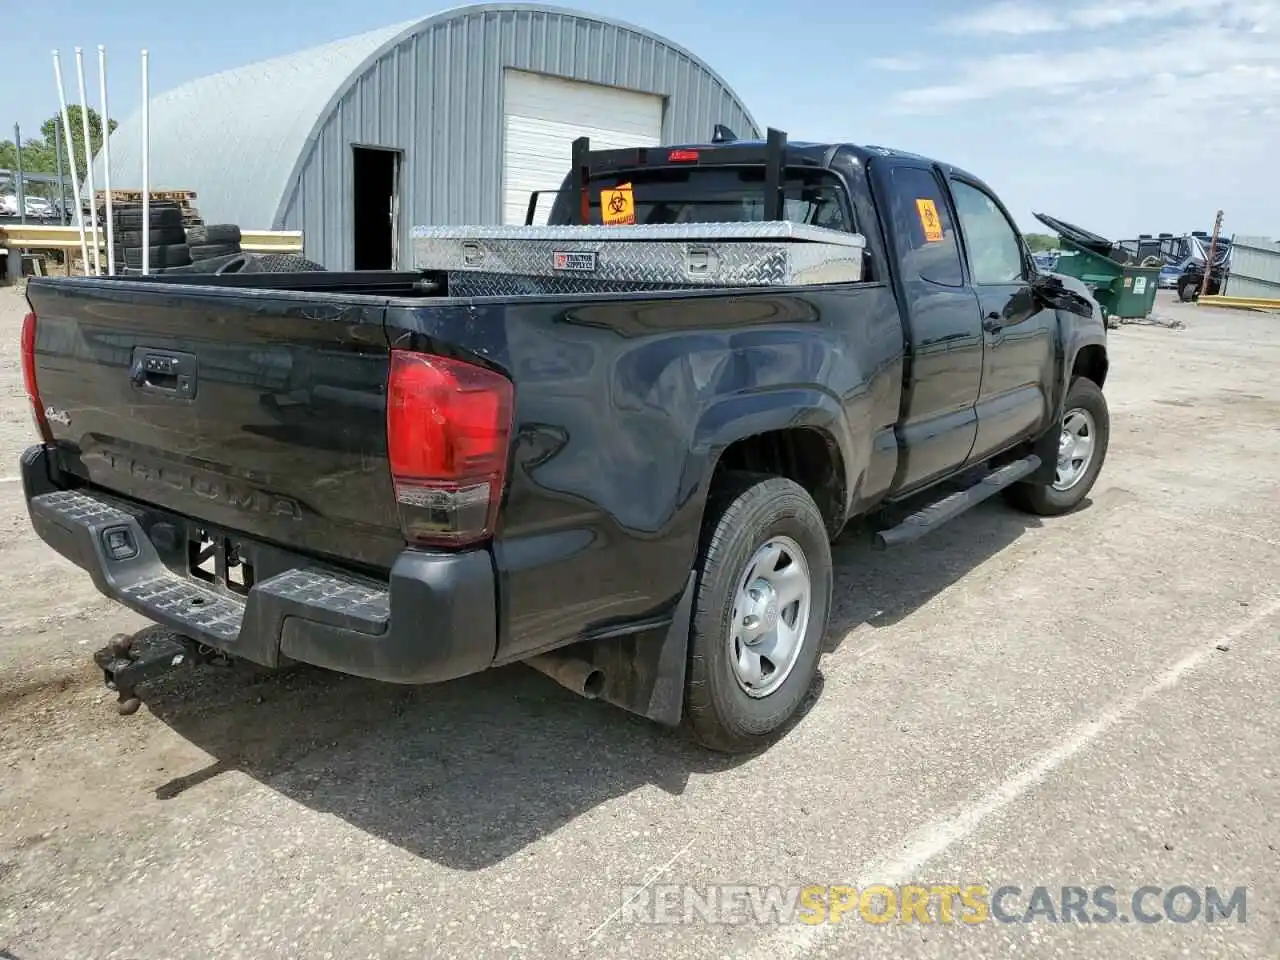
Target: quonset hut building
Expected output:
[454,118]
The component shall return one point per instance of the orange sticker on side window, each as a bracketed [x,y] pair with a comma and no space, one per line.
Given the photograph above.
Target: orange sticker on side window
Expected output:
[929,219]
[618,206]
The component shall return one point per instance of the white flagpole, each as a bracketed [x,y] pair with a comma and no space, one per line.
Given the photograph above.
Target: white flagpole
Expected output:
[146,168]
[88,163]
[71,156]
[106,159]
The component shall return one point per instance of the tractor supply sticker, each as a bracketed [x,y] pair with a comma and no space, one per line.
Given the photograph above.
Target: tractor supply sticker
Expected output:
[1140,285]
[575,261]
[618,206]
[929,219]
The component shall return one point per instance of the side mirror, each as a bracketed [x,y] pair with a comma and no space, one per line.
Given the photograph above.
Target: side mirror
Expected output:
[1050,292]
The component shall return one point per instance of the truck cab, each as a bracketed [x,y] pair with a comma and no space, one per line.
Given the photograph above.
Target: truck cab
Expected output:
[980,322]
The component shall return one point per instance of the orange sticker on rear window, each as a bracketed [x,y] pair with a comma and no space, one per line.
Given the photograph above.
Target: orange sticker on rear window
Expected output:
[618,206]
[929,219]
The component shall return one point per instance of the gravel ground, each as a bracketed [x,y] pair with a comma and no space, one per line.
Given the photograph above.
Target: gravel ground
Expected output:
[1084,701]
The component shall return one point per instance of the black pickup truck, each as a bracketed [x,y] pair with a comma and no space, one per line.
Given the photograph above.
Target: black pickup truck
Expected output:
[632,489]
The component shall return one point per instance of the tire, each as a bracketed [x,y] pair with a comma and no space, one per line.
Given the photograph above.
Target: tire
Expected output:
[280,263]
[231,263]
[748,513]
[207,251]
[1188,290]
[1049,500]
[159,237]
[173,255]
[159,217]
[213,233]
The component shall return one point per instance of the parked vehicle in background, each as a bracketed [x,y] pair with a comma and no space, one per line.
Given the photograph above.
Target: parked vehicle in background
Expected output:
[38,207]
[537,452]
[1169,276]
[1192,277]
[1046,262]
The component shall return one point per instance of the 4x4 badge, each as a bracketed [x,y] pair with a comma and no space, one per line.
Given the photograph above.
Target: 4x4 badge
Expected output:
[54,415]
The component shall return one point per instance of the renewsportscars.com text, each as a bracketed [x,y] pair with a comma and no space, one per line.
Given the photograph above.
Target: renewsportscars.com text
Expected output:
[932,903]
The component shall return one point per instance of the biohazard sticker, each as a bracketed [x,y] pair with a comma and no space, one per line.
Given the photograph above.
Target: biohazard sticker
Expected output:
[929,219]
[618,206]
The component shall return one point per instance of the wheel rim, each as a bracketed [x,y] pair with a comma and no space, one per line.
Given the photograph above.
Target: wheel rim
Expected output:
[770,616]
[1076,446]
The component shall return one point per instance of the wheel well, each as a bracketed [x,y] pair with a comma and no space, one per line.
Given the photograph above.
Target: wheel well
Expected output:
[804,455]
[1091,363]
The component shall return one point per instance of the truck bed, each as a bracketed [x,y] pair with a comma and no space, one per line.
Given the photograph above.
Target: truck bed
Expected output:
[621,403]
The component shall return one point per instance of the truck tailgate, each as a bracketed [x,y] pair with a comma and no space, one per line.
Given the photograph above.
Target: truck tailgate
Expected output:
[253,411]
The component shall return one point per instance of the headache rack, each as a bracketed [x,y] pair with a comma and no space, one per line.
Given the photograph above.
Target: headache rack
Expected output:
[503,261]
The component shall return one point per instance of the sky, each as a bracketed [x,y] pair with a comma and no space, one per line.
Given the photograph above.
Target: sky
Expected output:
[1123,116]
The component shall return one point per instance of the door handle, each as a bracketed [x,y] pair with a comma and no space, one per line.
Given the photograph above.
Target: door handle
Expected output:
[993,322]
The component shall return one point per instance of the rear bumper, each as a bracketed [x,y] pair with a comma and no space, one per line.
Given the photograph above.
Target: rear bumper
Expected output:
[433,619]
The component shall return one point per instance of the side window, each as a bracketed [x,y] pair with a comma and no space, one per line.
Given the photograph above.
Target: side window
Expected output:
[995,253]
[922,227]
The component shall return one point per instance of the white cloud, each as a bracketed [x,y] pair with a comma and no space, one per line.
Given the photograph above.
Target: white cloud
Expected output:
[1012,17]
[1185,54]
[1021,17]
[1135,114]
[896,64]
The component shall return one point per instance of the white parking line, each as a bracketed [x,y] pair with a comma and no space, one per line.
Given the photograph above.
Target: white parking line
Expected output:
[647,884]
[1225,531]
[793,943]
[9,479]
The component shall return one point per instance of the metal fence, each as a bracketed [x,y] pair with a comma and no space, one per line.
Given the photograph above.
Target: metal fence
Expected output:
[1255,268]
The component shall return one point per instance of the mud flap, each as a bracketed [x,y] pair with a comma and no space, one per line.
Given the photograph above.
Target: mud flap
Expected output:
[644,672]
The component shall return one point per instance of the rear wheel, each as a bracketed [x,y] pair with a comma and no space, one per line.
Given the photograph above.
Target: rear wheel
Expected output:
[1187,290]
[761,609]
[1083,438]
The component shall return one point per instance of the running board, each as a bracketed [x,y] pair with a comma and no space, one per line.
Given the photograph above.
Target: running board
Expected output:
[935,514]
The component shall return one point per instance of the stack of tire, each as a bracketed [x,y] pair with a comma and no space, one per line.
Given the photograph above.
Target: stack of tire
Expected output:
[213,240]
[167,239]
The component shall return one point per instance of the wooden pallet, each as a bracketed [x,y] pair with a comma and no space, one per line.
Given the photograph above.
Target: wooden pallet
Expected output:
[135,196]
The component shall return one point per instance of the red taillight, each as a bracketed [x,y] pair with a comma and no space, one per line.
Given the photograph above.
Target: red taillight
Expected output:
[448,430]
[682,156]
[29,375]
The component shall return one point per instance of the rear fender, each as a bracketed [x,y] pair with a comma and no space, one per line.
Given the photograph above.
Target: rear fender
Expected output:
[745,415]
[644,672]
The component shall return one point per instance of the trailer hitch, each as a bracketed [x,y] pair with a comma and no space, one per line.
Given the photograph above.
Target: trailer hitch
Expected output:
[127,661]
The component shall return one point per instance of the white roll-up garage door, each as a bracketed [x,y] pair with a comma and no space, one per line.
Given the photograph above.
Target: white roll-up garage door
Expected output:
[543,116]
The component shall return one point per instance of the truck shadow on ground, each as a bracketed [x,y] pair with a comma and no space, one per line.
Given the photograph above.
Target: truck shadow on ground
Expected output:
[882,587]
[472,772]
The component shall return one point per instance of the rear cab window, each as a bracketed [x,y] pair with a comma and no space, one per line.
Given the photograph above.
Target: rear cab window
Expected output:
[707,194]
[923,230]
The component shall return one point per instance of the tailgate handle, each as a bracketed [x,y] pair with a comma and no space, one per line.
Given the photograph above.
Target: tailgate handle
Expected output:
[164,372]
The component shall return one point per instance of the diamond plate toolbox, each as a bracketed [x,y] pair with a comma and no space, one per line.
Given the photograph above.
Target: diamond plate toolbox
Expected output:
[496,261]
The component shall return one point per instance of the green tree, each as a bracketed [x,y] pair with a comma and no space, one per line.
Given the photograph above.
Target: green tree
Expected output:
[39,155]
[1040,242]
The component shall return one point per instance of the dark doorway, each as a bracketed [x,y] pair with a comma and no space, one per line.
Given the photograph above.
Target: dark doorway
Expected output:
[375,176]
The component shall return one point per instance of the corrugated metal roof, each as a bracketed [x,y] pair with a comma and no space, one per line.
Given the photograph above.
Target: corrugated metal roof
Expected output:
[234,137]
[242,138]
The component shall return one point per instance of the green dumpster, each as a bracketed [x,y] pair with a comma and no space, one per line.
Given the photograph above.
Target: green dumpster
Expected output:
[1123,290]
